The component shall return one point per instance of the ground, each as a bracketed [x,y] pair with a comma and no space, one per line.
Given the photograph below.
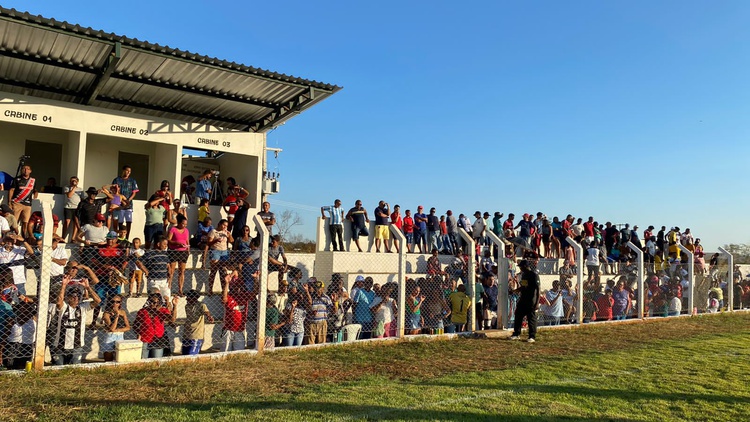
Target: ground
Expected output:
[676,369]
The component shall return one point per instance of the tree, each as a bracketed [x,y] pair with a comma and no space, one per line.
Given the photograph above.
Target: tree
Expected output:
[286,221]
[740,252]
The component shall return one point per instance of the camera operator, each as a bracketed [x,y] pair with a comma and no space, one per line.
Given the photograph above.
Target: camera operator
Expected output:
[21,193]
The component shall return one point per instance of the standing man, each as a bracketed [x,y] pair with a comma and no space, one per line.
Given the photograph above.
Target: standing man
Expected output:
[477,229]
[203,188]
[21,192]
[527,302]
[420,229]
[452,226]
[433,230]
[359,219]
[382,232]
[336,224]
[269,219]
[128,189]
[398,222]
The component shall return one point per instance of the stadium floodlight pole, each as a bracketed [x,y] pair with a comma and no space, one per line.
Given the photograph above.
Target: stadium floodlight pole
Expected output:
[260,335]
[399,237]
[579,277]
[503,267]
[639,263]
[43,283]
[472,317]
[691,278]
[730,278]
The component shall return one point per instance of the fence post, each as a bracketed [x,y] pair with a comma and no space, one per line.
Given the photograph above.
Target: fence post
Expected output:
[579,277]
[639,264]
[503,268]
[43,284]
[471,276]
[730,278]
[691,278]
[399,237]
[260,334]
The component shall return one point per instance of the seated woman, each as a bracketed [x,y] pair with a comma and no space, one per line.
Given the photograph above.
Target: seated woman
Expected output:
[116,324]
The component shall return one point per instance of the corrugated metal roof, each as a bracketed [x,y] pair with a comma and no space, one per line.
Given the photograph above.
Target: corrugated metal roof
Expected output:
[46,58]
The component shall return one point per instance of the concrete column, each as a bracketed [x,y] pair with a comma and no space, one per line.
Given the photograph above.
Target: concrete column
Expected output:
[579,277]
[691,278]
[260,335]
[399,237]
[43,284]
[472,317]
[639,264]
[730,278]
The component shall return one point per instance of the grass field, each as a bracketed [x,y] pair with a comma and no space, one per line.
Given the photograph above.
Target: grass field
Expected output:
[677,369]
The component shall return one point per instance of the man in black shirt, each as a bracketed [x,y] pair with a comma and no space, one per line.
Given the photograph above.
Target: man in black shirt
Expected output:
[528,302]
[360,220]
[89,207]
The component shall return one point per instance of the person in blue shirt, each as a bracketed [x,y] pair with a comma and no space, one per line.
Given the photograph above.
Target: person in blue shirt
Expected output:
[203,187]
[336,224]
[362,314]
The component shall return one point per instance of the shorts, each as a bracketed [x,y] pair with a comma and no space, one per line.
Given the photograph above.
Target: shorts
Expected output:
[110,340]
[21,289]
[192,347]
[359,231]
[126,215]
[593,269]
[151,231]
[70,213]
[21,211]
[382,232]
[413,322]
[232,340]
[217,255]
[409,237]
[178,256]
[161,285]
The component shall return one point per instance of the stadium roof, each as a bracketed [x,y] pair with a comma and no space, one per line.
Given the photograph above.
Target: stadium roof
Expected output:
[45,58]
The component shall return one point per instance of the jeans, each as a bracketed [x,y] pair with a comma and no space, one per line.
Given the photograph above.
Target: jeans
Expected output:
[337,231]
[294,339]
[434,240]
[447,244]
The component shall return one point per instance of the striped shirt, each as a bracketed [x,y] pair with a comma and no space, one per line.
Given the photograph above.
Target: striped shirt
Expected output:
[335,213]
[320,308]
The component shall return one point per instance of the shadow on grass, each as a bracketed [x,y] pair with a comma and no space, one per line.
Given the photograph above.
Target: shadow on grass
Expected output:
[323,410]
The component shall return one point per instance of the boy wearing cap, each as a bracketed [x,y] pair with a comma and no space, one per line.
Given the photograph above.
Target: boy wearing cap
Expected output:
[69,323]
[193,331]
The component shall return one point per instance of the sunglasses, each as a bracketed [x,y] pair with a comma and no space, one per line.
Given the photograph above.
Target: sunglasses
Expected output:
[116,301]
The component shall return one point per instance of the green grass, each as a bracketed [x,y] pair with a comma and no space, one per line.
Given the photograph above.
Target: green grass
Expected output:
[677,369]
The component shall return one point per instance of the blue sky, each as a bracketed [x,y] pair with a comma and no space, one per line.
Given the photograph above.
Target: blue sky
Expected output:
[628,111]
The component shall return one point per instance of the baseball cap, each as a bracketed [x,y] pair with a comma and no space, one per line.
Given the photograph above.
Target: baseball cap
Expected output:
[5,208]
[100,217]
[112,235]
[92,190]
[360,278]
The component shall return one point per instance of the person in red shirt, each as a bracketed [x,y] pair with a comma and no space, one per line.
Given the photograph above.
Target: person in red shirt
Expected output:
[508,226]
[589,230]
[150,325]
[408,228]
[604,303]
[398,222]
[234,193]
[235,299]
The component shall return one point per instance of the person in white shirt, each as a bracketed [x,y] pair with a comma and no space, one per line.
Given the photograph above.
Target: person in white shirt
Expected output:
[68,325]
[14,251]
[592,260]
[4,226]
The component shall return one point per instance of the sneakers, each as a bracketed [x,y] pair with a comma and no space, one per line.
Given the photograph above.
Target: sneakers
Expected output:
[531,340]
[514,338]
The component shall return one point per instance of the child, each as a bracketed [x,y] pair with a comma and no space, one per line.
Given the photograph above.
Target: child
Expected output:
[675,305]
[604,303]
[115,202]
[204,228]
[203,210]
[273,321]
[235,300]
[20,343]
[713,303]
[136,274]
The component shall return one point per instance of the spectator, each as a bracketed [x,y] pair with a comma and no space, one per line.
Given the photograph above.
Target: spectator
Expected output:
[115,202]
[451,226]
[409,231]
[219,240]
[420,230]
[155,267]
[155,214]
[384,309]
[133,255]
[51,187]
[178,208]
[128,188]
[12,224]
[335,224]
[204,210]
[187,191]
[21,192]
[433,230]
[150,324]
[397,222]
[7,316]
[72,199]
[116,324]
[269,219]
[604,304]
[60,257]
[362,301]
[240,217]
[20,341]
[460,305]
[203,189]
[296,314]
[68,325]
[277,258]
[527,302]
[88,208]
[274,321]
[382,231]
[94,234]
[193,331]
[231,202]
[13,254]
[478,228]
[554,312]
[433,264]
[359,220]
[318,306]
[179,248]
[414,302]
[592,261]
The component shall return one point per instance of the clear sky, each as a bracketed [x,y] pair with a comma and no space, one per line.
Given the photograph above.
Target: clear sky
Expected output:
[630,111]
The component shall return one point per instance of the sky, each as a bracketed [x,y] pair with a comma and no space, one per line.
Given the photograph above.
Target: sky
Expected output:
[630,111]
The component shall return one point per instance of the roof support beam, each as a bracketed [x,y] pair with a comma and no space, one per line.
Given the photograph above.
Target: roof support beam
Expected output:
[293,106]
[32,86]
[193,90]
[4,52]
[106,71]
[173,110]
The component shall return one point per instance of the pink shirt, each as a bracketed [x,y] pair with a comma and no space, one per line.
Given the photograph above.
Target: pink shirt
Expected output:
[178,237]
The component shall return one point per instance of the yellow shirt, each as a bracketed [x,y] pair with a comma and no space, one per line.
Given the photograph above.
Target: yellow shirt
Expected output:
[203,212]
[460,304]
